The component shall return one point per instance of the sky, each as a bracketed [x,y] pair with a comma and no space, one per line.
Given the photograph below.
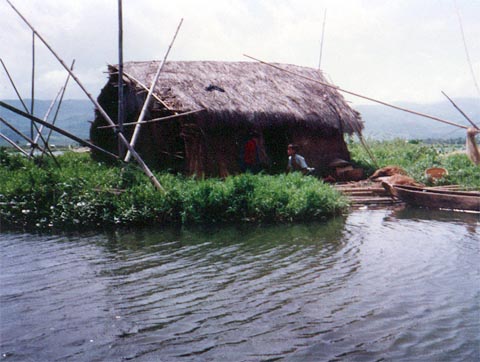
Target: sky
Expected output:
[391,50]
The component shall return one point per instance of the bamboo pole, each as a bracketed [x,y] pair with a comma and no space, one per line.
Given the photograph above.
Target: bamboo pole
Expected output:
[458,109]
[104,114]
[467,54]
[33,144]
[136,131]
[132,78]
[39,133]
[157,119]
[14,144]
[32,100]
[356,94]
[20,133]
[13,85]
[357,130]
[60,102]
[56,129]
[121,106]
[321,42]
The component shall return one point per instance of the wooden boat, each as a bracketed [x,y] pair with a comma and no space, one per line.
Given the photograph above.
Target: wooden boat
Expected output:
[435,198]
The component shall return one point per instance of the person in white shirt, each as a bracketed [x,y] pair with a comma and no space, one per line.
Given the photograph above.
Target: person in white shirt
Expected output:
[297,162]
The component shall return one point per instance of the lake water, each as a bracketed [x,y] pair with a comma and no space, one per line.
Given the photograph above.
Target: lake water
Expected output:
[377,285]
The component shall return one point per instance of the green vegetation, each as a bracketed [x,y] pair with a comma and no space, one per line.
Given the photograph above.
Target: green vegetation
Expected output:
[415,157]
[86,194]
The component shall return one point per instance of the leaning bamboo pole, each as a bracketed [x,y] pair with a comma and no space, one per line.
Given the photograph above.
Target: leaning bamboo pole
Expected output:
[13,85]
[59,103]
[14,144]
[135,80]
[321,41]
[56,129]
[32,124]
[45,117]
[461,112]
[136,131]
[356,94]
[104,114]
[467,54]
[21,134]
[157,119]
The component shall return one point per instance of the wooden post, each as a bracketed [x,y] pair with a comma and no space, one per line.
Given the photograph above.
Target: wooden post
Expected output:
[104,114]
[136,131]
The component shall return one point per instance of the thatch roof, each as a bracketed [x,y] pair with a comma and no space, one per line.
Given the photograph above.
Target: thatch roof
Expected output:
[239,91]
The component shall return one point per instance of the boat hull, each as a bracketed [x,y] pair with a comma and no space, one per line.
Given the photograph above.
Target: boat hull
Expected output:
[437,199]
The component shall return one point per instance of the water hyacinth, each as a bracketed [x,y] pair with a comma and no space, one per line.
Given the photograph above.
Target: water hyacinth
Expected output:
[87,194]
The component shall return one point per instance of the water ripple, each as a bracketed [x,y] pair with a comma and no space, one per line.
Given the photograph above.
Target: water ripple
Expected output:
[377,286]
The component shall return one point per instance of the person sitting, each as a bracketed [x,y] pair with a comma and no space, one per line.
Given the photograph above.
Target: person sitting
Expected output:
[297,162]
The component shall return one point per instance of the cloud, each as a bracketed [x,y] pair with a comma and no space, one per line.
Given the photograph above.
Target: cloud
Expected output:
[393,50]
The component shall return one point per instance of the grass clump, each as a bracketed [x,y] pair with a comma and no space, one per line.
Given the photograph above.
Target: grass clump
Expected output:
[86,194]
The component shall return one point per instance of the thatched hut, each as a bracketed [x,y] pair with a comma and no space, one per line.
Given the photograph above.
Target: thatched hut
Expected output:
[236,98]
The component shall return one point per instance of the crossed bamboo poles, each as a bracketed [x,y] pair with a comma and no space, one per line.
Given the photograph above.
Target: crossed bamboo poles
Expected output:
[121,137]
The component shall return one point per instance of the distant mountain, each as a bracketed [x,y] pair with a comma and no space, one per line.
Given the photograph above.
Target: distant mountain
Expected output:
[74,117]
[382,122]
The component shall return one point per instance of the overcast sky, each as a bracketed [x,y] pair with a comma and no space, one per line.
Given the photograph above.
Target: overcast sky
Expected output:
[393,50]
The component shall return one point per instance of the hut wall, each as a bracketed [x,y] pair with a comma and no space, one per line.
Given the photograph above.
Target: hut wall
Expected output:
[222,156]
[161,145]
[219,152]
[320,150]
[108,99]
[210,153]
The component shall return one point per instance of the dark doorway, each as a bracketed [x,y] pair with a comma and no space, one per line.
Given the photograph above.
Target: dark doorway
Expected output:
[276,142]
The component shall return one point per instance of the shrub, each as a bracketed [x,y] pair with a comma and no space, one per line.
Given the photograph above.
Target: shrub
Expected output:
[83,193]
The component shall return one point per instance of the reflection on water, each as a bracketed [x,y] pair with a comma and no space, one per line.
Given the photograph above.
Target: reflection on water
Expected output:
[377,285]
[469,218]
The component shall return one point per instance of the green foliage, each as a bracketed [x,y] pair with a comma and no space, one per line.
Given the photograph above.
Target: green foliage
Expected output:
[416,157]
[86,194]
[82,193]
